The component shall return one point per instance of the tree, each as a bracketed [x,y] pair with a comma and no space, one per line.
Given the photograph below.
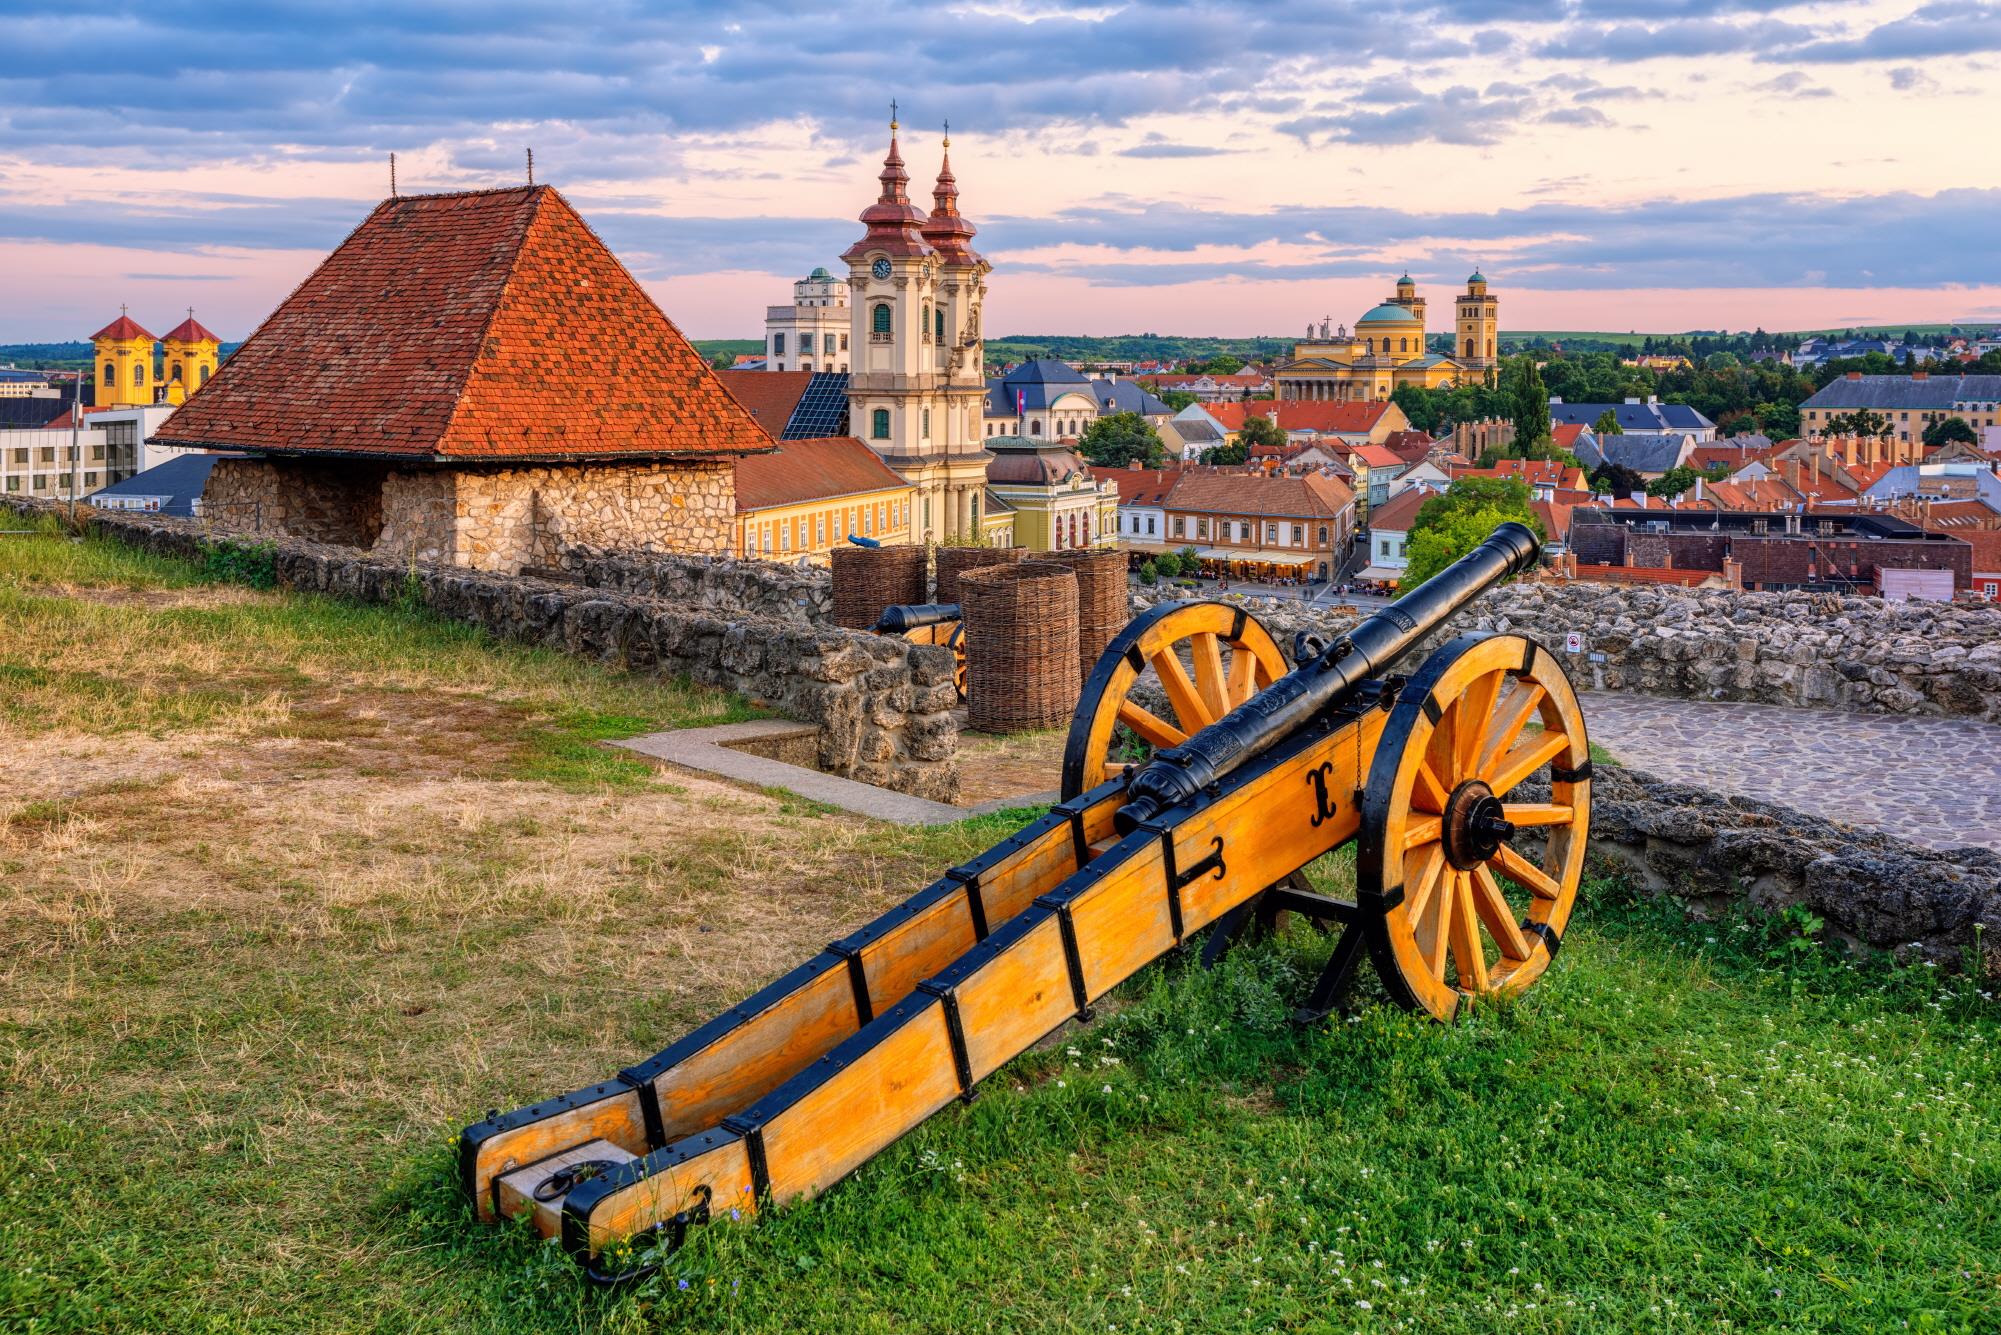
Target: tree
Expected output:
[1616,480]
[1673,482]
[1261,431]
[1607,424]
[1950,429]
[1227,454]
[1117,440]
[1531,411]
[1169,565]
[1456,521]
[1861,422]
[1177,399]
[1720,361]
[1149,572]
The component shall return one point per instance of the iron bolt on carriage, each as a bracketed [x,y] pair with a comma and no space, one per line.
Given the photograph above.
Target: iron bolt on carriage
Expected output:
[1260,771]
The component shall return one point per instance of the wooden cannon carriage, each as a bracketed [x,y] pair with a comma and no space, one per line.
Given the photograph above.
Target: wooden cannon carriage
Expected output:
[1261,771]
[930,623]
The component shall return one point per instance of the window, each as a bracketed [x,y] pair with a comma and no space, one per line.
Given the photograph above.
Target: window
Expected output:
[827,344]
[844,342]
[1178,526]
[138,373]
[174,373]
[927,424]
[924,322]
[1035,427]
[97,454]
[879,323]
[819,530]
[939,316]
[868,520]
[1271,532]
[1299,535]
[110,373]
[1403,344]
[204,374]
[785,536]
[778,345]
[1149,524]
[1202,528]
[879,424]
[1323,533]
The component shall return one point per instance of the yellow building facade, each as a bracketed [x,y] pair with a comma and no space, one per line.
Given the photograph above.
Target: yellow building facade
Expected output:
[808,497]
[1055,502]
[1387,349]
[191,356]
[124,369]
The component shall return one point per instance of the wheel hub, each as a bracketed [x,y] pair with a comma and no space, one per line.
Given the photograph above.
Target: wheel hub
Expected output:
[1475,825]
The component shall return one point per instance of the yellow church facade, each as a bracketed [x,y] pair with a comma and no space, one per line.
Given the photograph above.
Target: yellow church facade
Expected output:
[127,374]
[1387,350]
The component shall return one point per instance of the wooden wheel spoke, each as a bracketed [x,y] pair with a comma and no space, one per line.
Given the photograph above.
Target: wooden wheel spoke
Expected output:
[1534,752]
[1206,648]
[1469,955]
[1419,889]
[1498,917]
[1243,683]
[1433,924]
[1181,692]
[1508,724]
[1421,830]
[1152,728]
[1439,756]
[1538,813]
[1474,708]
[1427,792]
[1527,875]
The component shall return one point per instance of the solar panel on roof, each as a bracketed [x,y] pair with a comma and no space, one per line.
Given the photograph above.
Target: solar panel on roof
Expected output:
[822,409]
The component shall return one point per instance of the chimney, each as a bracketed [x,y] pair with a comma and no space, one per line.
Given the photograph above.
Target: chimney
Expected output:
[1854,375]
[1698,489]
[1816,470]
[1921,375]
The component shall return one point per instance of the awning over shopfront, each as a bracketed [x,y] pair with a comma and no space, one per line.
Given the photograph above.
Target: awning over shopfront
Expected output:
[1380,572]
[1239,556]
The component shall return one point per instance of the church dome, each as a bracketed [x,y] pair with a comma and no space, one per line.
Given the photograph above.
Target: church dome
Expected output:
[819,275]
[1031,462]
[1387,314]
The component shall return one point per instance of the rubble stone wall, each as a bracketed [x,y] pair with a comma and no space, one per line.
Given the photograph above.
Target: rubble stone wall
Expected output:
[884,706]
[767,588]
[1806,649]
[319,500]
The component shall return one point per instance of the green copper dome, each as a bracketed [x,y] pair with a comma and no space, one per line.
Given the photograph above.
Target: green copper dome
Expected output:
[1477,277]
[1388,314]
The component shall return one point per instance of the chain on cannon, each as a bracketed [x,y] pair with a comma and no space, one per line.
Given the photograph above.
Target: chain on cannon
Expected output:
[1169,827]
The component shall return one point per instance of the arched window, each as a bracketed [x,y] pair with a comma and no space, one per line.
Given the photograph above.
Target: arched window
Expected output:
[1403,345]
[174,373]
[879,424]
[204,373]
[1323,533]
[1469,347]
[939,316]
[924,321]
[110,373]
[1035,427]
[879,320]
[138,373]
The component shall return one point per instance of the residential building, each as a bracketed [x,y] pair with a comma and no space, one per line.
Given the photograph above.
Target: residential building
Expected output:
[1389,534]
[172,488]
[48,463]
[1352,423]
[1387,349]
[917,387]
[1044,399]
[1844,550]
[526,397]
[1910,402]
[1261,525]
[1649,453]
[1208,387]
[810,496]
[1186,437]
[1648,416]
[812,333]
[1142,502]
[1056,502]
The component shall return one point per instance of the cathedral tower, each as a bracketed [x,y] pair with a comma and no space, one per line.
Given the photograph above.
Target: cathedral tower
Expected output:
[1407,298]
[916,389]
[1476,345]
[192,352]
[122,353]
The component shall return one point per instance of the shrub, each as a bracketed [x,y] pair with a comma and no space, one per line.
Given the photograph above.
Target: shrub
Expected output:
[237,561]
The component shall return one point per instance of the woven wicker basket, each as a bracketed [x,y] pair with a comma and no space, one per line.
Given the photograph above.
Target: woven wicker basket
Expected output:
[868,579]
[1021,646]
[1101,600]
[956,561]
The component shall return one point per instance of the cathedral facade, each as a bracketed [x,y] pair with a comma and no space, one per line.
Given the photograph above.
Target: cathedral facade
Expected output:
[916,386]
[1387,349]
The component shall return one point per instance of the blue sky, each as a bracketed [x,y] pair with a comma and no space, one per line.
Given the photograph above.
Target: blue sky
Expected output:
[1196,167]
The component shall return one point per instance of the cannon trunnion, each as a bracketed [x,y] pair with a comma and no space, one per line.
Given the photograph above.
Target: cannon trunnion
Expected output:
[1170,827]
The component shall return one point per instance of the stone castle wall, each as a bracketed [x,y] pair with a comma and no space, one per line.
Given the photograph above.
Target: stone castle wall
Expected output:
[767,588]
[1806,649]
[884,706]
[482,518]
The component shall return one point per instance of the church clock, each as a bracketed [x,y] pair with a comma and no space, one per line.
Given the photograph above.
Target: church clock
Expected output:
[880,269]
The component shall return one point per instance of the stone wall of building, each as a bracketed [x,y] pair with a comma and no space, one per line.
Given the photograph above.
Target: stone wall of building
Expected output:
[1715,854]
[319,500]
[1808,649]
[884,707]
[767,588]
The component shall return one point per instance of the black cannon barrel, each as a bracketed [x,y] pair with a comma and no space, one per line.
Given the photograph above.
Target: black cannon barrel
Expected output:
[1177,774]
[900,617]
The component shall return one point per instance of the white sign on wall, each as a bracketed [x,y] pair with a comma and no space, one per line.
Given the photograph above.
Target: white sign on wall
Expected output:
[1573,643]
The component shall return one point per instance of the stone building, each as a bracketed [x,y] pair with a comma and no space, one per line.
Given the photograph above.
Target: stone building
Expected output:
[472,378]
[812,333]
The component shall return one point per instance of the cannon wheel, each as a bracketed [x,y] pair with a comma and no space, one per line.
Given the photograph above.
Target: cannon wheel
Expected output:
[1482,715]
[1158,637]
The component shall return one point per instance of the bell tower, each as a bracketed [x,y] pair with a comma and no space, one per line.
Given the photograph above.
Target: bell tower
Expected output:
[191,354]
[1476,342]
[122,364]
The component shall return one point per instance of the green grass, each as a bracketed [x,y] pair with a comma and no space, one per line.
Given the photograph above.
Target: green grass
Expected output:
[228,1083]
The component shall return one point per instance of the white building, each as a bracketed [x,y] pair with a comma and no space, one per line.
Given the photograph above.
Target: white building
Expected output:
[812,333]
[44,462]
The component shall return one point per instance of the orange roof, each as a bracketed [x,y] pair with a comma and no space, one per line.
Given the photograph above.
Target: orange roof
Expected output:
[1960,515]
[1535,472]
[1564,435]
[1278,495]
[1410,446]
[811,470]
[123,327]
[189,330]
[1376,456]
[1399,512]
[1708,456]
[1765,493]
[1139,486]
[1299,415]
[770,396]
[1868,475]
[486,325]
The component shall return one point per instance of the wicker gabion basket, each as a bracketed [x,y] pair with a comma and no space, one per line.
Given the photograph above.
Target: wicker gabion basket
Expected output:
[1021,646]
[868,579]
[956,561]
[1101,600]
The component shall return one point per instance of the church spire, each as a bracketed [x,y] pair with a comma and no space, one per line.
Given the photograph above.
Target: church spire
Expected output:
[894,223]
[947,229]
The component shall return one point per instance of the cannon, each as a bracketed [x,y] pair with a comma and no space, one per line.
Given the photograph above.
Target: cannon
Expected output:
[929,623]
[1462,892]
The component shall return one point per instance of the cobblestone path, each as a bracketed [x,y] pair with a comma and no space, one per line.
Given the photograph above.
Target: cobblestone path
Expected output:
[1933,781]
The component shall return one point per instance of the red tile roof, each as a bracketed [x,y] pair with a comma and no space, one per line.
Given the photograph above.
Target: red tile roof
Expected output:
[123,327]
[1139,486]
[488,325]
[1413,447]
[1564,435]
[190,330]
[1299,415]
[1733,456]
[1399,512]
[811,470]
[1280,495]
[769,396]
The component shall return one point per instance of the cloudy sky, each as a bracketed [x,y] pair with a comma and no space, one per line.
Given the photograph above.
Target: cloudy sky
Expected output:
[1198,167]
